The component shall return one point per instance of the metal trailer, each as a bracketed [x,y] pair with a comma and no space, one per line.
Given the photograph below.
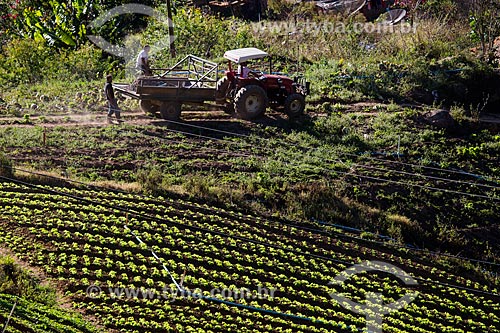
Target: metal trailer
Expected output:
[192,80]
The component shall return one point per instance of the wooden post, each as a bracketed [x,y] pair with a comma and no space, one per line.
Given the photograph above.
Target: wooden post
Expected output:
[182,278]
[44,136]
[171,29]
[399,144]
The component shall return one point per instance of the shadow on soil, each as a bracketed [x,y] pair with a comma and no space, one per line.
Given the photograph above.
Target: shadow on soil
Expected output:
[234,127]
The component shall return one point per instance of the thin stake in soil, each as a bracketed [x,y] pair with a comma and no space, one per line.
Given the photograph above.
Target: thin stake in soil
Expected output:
[10,315]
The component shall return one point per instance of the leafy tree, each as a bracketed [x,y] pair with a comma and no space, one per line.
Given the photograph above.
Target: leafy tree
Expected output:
[59,23]
[63,23]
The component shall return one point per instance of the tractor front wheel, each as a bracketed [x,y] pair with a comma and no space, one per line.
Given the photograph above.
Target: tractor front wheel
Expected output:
[170,110]
[250,102]
[295,105]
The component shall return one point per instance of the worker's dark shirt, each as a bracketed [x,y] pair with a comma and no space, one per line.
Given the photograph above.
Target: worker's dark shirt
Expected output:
[108,90]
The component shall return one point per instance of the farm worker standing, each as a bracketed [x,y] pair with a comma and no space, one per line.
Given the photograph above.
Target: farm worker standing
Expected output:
[142,62]
[110,96]
[243,70]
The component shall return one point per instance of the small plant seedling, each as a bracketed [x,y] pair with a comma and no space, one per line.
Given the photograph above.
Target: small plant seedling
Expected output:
[27,118]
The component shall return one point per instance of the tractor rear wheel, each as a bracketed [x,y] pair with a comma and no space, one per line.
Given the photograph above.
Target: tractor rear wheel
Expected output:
[295,105]
[170,110]
[148,107]
[221,89]
[250,102]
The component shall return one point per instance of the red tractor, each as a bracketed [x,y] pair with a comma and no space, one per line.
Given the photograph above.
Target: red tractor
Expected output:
[249,92]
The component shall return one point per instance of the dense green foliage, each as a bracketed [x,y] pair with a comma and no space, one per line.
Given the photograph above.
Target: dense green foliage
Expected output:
[64,23]
[25,61]
[199,34]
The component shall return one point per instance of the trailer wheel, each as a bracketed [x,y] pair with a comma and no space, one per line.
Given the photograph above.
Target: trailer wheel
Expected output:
[148,107]
[295,105]
[228,108]
[170,110]
[221,89]
[250,102]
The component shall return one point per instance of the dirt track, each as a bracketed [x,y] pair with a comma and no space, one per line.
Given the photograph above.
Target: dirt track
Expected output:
[136,117]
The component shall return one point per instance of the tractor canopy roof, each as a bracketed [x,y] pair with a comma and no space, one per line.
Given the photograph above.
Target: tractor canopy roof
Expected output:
[243,55]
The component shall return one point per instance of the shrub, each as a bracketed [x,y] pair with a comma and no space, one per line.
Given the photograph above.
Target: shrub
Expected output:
[5,166]
[86,63]
[32,61]
[24,61]
[16,281]
[283,9]
[438,8]
[485,25]
[150,179]
[64,24]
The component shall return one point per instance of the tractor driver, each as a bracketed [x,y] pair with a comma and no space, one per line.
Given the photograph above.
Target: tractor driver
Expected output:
[243,70]
[142,62]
